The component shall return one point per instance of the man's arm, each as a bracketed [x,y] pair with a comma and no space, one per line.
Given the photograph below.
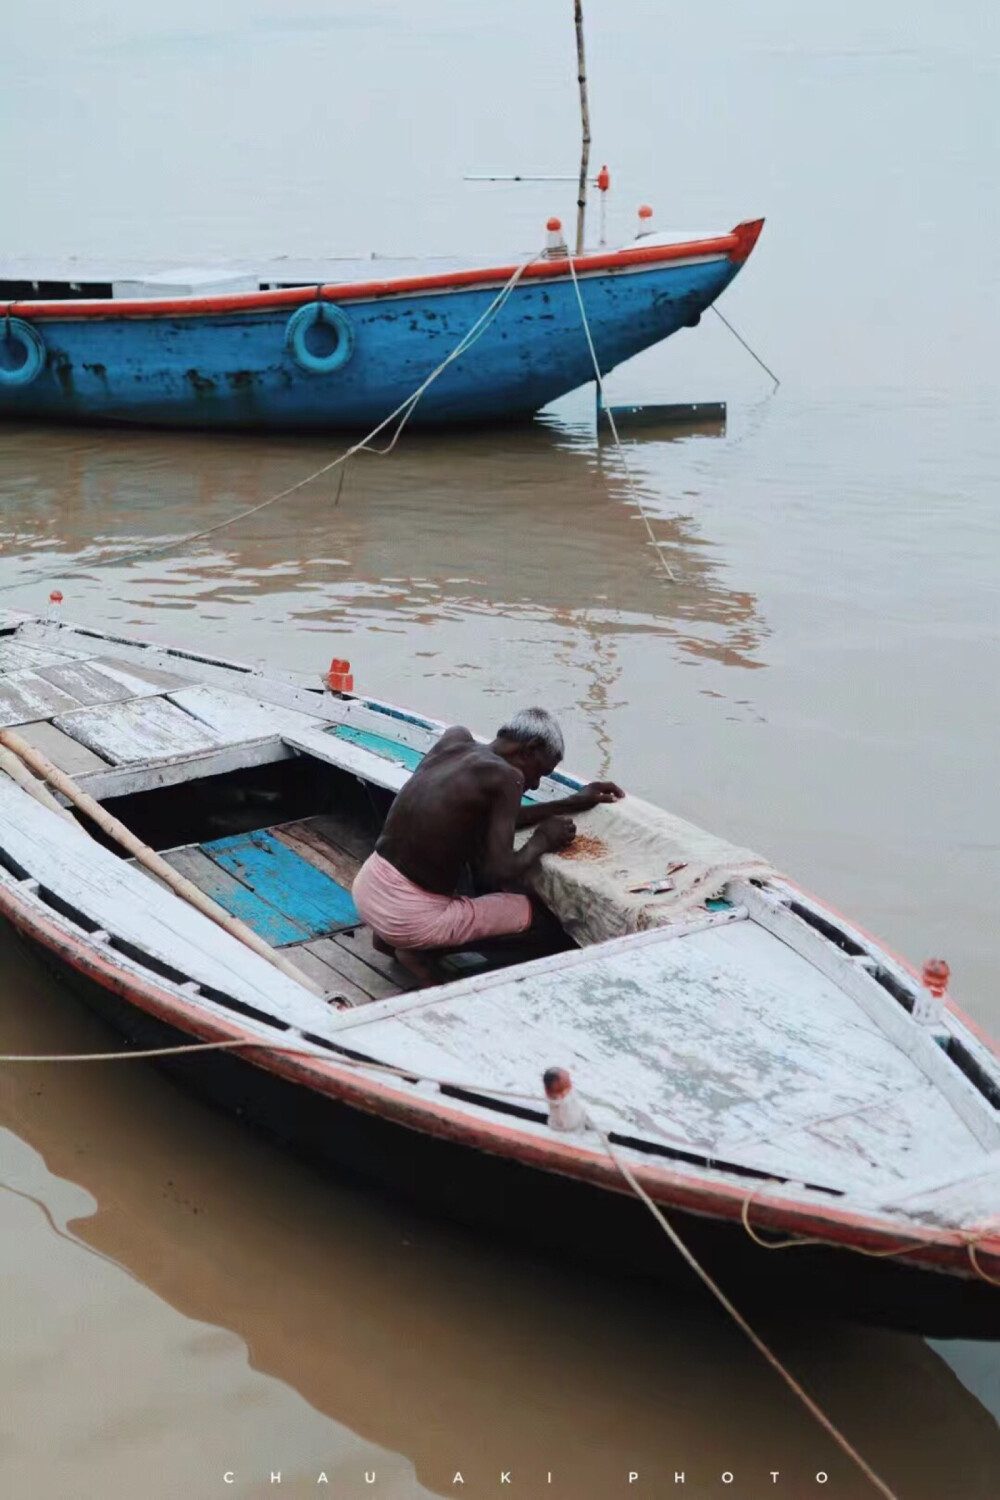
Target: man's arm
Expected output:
[503,864]
[581,801]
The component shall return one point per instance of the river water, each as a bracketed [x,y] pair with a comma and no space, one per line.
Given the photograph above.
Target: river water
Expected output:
[817,679]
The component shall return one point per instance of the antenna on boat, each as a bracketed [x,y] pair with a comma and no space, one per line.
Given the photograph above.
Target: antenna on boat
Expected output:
[581,59]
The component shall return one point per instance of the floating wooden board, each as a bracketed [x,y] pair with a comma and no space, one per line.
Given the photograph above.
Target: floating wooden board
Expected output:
[235,717]
[309,844]
[143,729]
[26,696]
[66,753]
[282,877]
[233,896]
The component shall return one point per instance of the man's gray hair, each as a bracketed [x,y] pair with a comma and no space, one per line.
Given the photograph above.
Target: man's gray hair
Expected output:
[531,726]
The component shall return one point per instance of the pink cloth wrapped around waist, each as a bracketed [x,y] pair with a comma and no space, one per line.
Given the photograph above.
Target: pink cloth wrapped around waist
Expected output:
[407,916]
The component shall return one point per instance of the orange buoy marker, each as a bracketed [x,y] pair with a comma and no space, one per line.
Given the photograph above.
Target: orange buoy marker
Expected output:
[928,1007]
[338,679]
[645,220]
[565,1110]
[603,183]
[555,240]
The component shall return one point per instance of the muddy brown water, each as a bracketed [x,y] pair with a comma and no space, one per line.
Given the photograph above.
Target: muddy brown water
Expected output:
[180,1300]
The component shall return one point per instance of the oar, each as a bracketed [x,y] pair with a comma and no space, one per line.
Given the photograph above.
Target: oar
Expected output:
[43,767]
[18,771]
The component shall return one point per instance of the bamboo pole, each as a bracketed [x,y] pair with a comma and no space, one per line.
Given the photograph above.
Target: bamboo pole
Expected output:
[18,771]
[581,69]
[43,767]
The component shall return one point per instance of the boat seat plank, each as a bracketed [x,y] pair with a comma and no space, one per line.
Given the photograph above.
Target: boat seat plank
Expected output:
[348,757]
[139,730]
[66,753]
[336,987]
[234,716]
[26,696]
[266,920]
[120,898]
[357,942]
[17,654]
[91,682]
[725,1037]
[150,676]
[379,744]
[282,877]
[304,840]
[371,982]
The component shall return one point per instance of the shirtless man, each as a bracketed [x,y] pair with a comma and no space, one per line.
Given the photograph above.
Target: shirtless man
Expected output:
[460,808]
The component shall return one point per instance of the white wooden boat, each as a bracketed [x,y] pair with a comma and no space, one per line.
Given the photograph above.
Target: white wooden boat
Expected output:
[752,1056]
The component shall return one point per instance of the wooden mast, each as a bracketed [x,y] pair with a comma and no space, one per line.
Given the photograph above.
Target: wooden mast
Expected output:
[581,70]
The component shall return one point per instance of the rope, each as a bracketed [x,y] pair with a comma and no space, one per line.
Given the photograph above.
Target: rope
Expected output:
[741,340]
[741,1322]
[140,1054]
[629,478]
[403,412]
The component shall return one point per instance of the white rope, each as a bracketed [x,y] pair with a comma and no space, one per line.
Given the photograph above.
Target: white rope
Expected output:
[403,412]
[629,478]
[738,1318]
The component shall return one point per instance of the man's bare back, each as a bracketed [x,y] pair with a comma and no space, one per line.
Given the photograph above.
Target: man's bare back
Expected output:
[462,805]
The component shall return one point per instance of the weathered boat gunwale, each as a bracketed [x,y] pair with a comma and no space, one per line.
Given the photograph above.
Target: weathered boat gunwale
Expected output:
[735,246]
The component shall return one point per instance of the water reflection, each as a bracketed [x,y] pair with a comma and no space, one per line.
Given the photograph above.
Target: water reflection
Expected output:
[441,1346]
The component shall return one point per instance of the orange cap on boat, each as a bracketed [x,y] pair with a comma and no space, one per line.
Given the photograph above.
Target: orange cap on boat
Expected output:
[56,596]
[936,975]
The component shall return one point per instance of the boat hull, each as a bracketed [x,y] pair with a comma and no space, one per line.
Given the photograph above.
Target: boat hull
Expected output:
[545,1211]
[228,363]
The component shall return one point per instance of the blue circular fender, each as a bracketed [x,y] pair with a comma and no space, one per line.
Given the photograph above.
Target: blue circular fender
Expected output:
[22,352]
[319,337]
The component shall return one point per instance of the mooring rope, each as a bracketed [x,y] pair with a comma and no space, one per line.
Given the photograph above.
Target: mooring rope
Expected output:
[762,1348]
[633,488]
[400,415]
[741,340]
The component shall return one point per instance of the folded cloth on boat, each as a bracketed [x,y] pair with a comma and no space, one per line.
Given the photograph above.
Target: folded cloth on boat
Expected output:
[406,916]
[591,886]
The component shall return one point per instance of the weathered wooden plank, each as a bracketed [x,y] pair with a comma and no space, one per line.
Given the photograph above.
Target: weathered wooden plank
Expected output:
[289,882]
[379,744]
[15,655]
[140,730]
[121,781]
[305,841]
[341,829]
[90,682]
[66,753]
[25,696]
[233,896]
[121,898]
[374,985]
[336,985]
[357,942]
[233,716]
[364,763]
[142,672]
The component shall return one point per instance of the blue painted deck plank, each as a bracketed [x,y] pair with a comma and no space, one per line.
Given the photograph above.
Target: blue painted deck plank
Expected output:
[403,755]
[379,744]
[261,916]
[287,881]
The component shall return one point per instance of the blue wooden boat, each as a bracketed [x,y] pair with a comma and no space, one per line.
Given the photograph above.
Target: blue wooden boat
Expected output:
[287,351]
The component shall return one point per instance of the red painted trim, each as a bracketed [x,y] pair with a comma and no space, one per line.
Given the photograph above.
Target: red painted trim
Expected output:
[735,246]
[939,1250]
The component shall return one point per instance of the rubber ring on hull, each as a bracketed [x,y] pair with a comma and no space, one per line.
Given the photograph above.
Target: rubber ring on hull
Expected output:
[319,337]
[22,352]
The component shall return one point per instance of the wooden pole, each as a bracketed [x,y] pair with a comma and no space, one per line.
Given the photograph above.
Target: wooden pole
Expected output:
[43,767]
[581,69]
[18,771]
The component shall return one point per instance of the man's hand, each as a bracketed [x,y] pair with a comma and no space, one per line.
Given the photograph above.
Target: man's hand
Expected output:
[554,834]
[597,792]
